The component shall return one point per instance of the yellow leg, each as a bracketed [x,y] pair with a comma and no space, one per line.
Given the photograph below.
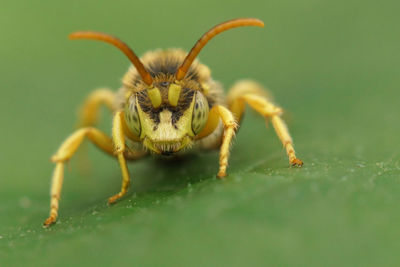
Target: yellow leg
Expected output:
[55,193]
[230,126]
[119,143]
[89,116]
[250,93]
[64,153]
[235,105]
[89,112]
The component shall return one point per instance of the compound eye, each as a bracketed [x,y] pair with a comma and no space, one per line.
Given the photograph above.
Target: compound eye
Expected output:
[132,115]
[200,113]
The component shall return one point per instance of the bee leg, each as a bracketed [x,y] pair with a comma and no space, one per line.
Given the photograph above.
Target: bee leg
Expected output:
[251,93]
[269,110]
[235,104]
[88,115]
[64,153]
[89,112]
[230,126]
[119,143]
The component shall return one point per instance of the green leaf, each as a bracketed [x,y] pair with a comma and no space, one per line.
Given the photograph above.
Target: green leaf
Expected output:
[332,65]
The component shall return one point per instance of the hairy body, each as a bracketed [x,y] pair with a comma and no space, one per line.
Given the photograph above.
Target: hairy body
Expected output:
[166,125]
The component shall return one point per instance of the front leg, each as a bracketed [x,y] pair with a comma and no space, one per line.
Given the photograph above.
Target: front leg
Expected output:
[216,113]
[119,144]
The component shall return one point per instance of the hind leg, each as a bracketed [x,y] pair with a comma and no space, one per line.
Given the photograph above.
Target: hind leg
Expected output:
[251,93]
[89,111]
[89,115]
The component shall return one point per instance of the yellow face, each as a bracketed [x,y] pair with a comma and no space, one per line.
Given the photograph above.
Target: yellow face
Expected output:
[166,126]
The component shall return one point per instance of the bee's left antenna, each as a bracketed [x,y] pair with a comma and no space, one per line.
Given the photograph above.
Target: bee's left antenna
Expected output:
[119,44]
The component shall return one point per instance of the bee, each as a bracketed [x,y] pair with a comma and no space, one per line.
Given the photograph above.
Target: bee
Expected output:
[168,102]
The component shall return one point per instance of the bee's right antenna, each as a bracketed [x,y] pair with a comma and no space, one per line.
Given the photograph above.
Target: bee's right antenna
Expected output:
[183,69]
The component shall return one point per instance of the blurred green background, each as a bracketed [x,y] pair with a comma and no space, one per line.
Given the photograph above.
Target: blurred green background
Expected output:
[333,65]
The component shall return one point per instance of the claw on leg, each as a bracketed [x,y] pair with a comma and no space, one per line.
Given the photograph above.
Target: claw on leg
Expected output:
[296,162]
[114,198]
[125,181]
[58,177]
[293,161]
[283,134]
[221,173]
[49,221]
